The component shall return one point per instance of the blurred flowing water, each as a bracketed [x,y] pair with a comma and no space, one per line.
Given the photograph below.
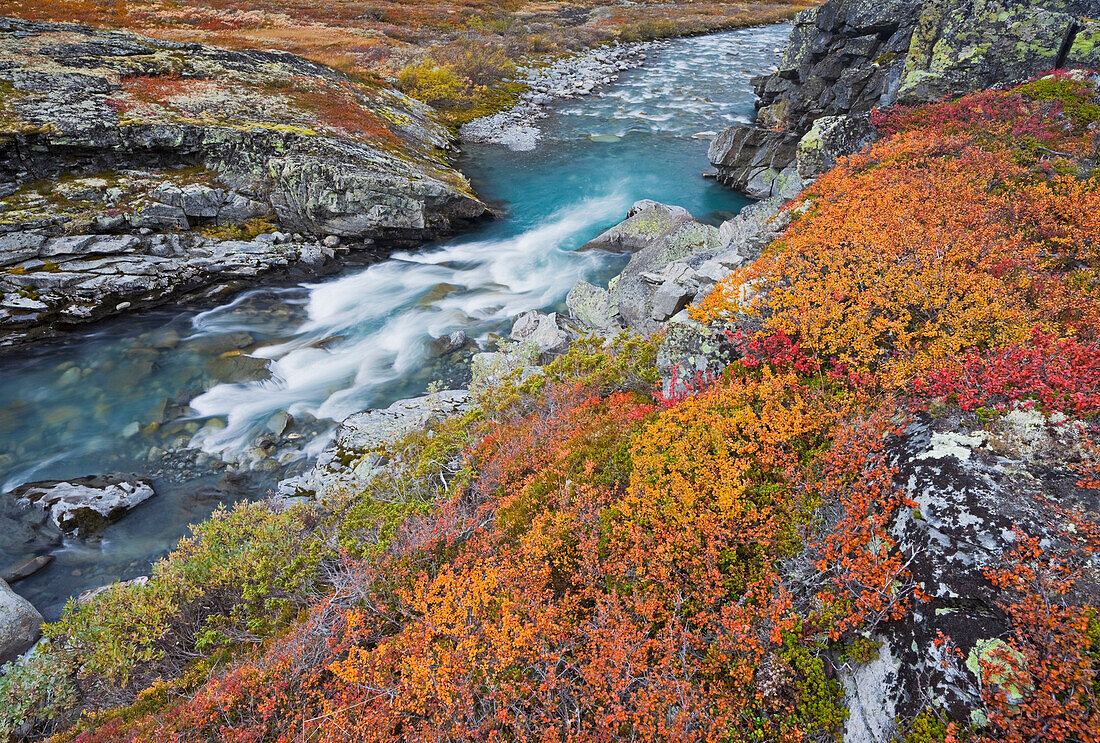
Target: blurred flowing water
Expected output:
[173,394]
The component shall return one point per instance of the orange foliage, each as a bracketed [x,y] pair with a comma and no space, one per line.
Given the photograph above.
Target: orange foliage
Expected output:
[937,240]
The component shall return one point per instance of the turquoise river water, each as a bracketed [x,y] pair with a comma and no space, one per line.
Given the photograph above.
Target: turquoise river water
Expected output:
[173,394]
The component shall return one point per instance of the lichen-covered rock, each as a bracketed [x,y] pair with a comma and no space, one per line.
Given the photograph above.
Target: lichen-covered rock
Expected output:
[647,224]
[351,460]
[20,624]
[590,306]
[846,57]
[973,487]
[675,265]
[830,138]
[193,146]
[691,353]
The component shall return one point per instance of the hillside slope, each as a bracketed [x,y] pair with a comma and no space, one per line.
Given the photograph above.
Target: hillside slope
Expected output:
[878,522]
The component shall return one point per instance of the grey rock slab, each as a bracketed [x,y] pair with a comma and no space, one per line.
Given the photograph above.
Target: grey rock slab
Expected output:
[20,624]
[66,246]
[648,223]
[16,247]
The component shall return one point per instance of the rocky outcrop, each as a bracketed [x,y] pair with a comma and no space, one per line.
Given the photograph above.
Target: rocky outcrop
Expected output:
[676,261]
[134,170]
[84,505]
[847,57]
[20,624]
[353,458]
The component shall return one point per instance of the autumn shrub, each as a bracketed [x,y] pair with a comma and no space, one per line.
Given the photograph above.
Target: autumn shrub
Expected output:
[1061,374]
[1043,682]
[435,84]
[243,574]
[952,234]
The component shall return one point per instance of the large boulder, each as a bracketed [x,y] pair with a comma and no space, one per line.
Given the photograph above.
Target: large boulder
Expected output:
[84,505]
[846,57]
[647,223]
[20,624]
[658,235]
[673,266]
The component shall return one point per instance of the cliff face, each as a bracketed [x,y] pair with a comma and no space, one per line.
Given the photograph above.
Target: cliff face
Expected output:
[134,170]
[849,56]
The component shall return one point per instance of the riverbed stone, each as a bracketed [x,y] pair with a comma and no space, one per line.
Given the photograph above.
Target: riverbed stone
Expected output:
[25,568]
[83,506]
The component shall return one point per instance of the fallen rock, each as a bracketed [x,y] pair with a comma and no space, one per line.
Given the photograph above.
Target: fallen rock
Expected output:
[20,624]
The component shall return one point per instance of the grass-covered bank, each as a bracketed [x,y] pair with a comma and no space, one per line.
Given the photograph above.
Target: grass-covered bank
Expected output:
[580,558]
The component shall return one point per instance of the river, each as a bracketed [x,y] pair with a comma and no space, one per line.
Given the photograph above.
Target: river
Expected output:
[183,395]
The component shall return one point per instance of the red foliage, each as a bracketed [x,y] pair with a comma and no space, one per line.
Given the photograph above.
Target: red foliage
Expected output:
[1059,373]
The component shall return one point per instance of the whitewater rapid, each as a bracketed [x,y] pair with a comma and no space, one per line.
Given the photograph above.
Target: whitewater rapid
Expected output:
[378,325]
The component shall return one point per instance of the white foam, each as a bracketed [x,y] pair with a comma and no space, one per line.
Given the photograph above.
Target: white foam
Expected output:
[377,325]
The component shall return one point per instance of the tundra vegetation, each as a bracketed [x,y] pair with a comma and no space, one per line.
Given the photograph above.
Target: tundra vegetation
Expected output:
[458,56]
[582,558]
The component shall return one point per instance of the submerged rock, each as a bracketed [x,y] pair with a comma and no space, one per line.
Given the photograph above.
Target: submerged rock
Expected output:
[25,568]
